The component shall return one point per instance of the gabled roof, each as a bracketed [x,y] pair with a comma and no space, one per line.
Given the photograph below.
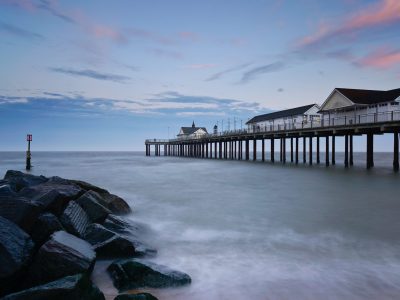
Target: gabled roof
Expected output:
[191,130]
[369,96]
[281,114]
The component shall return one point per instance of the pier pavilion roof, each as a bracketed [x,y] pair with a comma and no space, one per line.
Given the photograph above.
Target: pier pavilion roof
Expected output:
[281,114]
[342,97]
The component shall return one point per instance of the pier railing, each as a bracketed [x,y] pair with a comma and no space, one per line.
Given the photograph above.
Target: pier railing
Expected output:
[324,122]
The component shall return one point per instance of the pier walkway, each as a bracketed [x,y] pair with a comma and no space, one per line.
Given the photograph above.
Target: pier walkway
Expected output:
[236,144]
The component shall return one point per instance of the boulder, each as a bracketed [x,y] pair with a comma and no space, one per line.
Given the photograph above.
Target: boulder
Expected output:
[132,274]
[140,296]
[53,195]
[116,204]
[45,225]
[117,224]
[77,287]
[20,211]
[74,219]
[16,250]
[6,190]
[91,204]
[19,180]
[89,187]
[62,255]
[110,244]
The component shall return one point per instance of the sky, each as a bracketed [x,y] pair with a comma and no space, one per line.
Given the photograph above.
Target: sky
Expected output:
[106,75]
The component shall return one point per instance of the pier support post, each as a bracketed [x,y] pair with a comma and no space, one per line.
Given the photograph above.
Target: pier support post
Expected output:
[254,149]
[346,151]
[280,150]
[291,150]
[310,154]
[351,149]
[263,150]
[272,150]
[240,149]
[333,151]
[232,152]
[215,149]
[370,150]
[234,149]
[297,151]
[220,149]
[327,151]
[396,151]
[165,150]
[318,159]
[304,150]
[247,149]
[284,150]
[206,149]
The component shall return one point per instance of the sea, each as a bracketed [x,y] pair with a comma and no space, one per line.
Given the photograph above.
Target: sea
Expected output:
[252,230]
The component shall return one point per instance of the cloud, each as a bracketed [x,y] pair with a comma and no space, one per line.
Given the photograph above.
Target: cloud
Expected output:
[382,58]
[51,7]
[167,103]
[200,66]
[256,72]
[20,32]
[91,74]
[220,74]
[383,13]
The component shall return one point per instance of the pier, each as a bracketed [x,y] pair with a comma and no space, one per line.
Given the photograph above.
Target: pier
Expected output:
[235,145]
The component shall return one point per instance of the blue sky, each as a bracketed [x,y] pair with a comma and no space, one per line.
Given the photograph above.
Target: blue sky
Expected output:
[105,75]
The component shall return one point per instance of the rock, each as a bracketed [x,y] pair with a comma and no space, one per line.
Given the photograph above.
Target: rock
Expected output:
[5,189]
[45,225]
[132,274]
[91,204]
[62,255]
[19,180]
[20,211]
[77,287]
[89,187]
[16,249]
[74,219]
[140,296]
[117,224]
[53,195]
[116,204]
[110,244]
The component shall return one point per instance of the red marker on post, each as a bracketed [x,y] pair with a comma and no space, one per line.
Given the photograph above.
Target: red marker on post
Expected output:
[28,153]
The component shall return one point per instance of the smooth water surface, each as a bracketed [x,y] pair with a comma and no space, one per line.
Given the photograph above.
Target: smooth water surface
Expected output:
[252,230]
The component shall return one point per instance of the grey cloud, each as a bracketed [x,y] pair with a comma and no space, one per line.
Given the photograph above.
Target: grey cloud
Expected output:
[255,72]
[92,74]
[230,70]
[20,32]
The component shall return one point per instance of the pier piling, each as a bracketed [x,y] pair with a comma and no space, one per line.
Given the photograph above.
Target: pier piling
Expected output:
[396,151]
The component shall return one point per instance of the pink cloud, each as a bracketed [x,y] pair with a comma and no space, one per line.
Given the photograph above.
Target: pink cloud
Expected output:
[188,35]
[103,31]
[23,4]
[383,13]
[382,58]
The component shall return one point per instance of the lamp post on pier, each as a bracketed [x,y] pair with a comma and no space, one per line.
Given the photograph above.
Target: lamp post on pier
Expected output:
[28,153]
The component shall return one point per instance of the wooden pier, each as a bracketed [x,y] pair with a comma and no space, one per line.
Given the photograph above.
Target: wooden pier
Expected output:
[235,145]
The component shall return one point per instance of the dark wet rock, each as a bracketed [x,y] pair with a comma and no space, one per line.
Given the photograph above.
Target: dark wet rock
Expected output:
[45,225]
[77,287]
[62,255]
[91,204]
[74,219]
[53,195]
[117,224]
[20,211]
[6,190]
[132,273]
[89,187]
[140,296]
[19,180]
[116,204]
[16,249]
[110,244]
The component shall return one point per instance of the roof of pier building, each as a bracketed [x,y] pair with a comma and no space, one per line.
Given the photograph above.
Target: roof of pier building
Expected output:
[191,130]
[342,98]
[292,112]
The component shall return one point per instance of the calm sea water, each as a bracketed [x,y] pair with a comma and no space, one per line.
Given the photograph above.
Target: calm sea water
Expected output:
[252,230]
